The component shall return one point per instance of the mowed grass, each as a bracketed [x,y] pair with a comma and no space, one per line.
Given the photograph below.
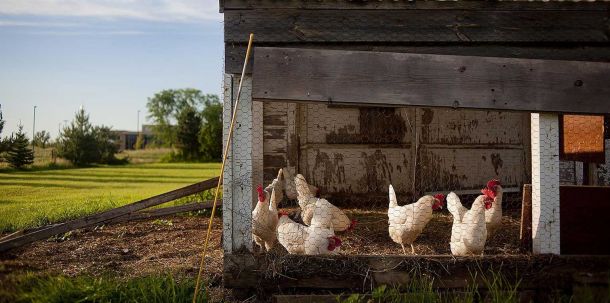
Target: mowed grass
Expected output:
[36,198]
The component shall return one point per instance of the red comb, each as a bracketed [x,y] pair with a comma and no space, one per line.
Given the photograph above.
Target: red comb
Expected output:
[489,193]
[337,241]
[261,193]
[492,183]
[440,197]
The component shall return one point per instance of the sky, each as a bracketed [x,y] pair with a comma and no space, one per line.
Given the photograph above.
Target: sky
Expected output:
[108,56]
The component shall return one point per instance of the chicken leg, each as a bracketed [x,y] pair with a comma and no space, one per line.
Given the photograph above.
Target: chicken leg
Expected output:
[412,249]
[404,251]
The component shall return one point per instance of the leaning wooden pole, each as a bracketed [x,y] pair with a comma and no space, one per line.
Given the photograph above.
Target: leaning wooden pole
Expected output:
[222,169]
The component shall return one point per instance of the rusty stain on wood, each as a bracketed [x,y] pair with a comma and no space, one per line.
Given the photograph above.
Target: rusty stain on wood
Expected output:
[378,125]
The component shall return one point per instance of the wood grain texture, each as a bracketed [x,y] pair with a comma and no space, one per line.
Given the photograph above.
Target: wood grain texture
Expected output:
[409,4]
[395,79]
[234,53]
[163,212]
[107,215]
[394,26]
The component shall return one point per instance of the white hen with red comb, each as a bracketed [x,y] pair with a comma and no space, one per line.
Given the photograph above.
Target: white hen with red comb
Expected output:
[468,233]
[493,216]
[407,222]
[264,218]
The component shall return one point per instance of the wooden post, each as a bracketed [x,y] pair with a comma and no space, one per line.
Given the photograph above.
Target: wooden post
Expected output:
[243,170]
[545,183]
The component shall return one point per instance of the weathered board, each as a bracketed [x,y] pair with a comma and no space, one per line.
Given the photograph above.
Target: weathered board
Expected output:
[410,4]
[542,272]
[235,53]
[374,78]
[298,26]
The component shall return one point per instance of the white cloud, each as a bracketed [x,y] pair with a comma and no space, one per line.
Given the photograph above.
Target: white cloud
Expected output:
[13,23]
[153,10]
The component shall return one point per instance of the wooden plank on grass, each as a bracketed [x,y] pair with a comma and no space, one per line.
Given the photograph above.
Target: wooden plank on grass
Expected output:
[162,212]
[108,215]
[397,79]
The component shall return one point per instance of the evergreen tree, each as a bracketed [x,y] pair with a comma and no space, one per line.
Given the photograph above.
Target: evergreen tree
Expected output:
[19,153]
[189,124]
[210,136]
[82,143]
[76,141]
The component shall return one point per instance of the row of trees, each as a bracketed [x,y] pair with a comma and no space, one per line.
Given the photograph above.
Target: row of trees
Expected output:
[190,121]
[80,143]
[185,118]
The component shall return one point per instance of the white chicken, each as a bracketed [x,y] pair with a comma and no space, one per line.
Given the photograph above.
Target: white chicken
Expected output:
[407,222]
[329,215]
[310,240]
[264,219]
[493,216]
[468,233]
[290,186]
[291,234]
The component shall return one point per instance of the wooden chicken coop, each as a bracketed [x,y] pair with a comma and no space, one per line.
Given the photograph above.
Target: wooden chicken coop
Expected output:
[429,96]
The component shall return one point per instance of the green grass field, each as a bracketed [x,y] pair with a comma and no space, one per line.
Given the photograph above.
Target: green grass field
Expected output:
[35,198]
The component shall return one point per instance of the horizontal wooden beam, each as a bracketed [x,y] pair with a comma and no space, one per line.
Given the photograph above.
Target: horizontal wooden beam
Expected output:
[363,272]
[234,54]
[107,215]
[226,5]
[395,79]
[162,212]
[396,26]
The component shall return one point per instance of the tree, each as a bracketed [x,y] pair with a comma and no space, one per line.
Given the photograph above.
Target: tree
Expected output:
[19,153]
[189,124]
[41,139]
[82,143]
[210,135]
[165,107]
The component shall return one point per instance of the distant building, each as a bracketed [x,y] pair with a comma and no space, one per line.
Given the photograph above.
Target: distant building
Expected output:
[127,138]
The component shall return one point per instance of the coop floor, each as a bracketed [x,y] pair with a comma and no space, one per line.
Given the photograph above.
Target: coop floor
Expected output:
[174,244]
[370,237]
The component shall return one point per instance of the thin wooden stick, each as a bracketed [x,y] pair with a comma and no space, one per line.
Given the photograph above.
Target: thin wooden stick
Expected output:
[222,169]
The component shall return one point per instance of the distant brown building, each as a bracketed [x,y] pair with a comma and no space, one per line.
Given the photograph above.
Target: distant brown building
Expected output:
[127,139]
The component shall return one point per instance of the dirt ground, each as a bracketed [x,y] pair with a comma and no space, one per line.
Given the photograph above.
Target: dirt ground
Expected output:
[174,244]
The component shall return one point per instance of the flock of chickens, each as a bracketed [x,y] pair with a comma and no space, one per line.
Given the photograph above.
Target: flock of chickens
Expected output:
[470,230]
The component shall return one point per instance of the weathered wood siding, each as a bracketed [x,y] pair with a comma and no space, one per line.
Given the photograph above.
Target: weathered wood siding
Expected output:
[356,152]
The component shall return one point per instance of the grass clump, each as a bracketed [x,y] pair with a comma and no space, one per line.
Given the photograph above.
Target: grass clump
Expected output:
[36,288]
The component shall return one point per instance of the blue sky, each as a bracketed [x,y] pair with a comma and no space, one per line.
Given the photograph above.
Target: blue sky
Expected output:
[106,55]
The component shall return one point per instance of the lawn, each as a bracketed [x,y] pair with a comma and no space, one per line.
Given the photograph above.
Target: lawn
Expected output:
[35,198]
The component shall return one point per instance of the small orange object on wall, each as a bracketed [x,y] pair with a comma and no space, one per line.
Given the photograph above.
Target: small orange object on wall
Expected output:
[582,138]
